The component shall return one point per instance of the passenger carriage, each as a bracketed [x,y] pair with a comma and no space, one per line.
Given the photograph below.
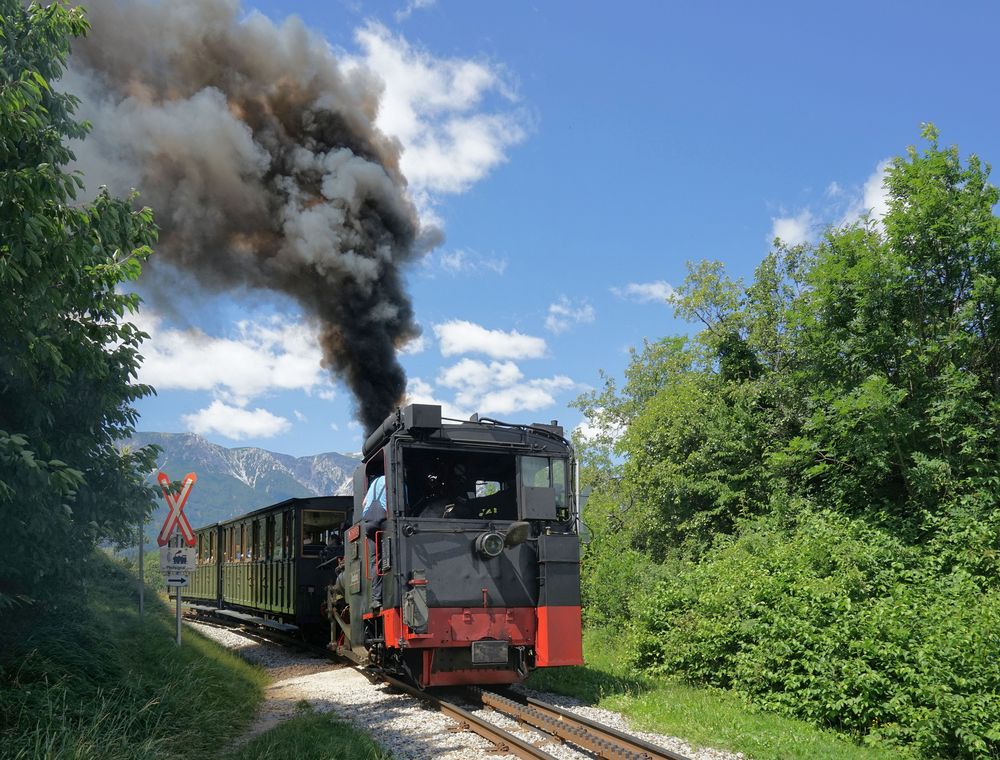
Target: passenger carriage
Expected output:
[266,563]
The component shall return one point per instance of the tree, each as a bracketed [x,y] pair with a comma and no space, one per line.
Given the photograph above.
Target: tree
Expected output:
[799,500]
[68,360]
[861,373]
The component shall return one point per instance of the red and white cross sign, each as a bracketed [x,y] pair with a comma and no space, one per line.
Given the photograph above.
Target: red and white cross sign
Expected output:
[176,514]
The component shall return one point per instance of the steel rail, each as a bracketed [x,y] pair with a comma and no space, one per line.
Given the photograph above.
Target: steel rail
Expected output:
[503,741]
[605,742]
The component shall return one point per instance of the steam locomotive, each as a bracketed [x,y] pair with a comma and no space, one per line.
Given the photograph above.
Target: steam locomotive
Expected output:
[478,557]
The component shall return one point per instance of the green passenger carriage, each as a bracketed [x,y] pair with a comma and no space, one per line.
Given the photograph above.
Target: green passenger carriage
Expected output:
[266,562]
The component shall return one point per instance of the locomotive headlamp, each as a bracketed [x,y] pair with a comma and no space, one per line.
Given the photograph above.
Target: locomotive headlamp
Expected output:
[489,544]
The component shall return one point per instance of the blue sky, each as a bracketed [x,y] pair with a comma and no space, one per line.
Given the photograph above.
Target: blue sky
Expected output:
[576,156]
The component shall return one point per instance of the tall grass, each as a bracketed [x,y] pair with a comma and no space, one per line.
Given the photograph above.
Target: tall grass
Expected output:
[84,678]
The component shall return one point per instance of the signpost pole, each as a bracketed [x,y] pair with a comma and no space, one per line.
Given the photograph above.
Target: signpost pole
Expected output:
[142,571]
[178,590]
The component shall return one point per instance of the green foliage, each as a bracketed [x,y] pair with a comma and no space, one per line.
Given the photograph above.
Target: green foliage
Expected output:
[67,360]
[814,473]
[84,678]
[838,623]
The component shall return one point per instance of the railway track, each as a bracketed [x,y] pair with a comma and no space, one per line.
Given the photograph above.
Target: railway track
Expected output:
[566,726]
[555,724]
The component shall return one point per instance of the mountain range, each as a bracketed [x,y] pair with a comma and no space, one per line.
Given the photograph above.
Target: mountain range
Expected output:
[234,481]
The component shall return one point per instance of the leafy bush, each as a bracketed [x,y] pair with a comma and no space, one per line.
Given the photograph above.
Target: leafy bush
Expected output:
[828,619]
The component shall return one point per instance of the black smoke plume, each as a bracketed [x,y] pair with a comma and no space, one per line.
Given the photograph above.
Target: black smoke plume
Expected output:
[259,155]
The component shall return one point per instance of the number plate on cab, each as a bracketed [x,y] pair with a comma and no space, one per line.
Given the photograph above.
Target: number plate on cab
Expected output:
[489,652]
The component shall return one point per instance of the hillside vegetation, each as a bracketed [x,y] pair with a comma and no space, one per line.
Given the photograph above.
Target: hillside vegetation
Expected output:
[85,678]
[799,501]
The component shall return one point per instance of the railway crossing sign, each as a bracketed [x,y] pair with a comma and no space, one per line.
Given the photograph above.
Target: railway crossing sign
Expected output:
[176,518]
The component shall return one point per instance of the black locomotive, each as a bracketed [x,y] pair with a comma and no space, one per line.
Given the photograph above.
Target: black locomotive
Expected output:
[478,556]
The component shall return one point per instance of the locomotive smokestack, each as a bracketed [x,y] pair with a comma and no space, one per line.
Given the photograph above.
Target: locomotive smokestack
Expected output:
[260,157]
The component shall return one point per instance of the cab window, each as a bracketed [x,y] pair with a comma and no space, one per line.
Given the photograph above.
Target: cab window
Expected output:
[319,529]
[545,472]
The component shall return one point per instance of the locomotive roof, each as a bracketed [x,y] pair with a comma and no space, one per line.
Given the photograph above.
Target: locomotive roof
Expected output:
[423,423]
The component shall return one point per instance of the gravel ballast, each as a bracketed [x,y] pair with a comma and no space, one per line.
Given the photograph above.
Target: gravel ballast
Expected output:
[400,723]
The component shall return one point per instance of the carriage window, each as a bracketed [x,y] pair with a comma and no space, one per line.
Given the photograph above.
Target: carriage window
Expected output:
[279,538]
[287,544]
[269,537]
[254,554]
[319,528]
[211,547]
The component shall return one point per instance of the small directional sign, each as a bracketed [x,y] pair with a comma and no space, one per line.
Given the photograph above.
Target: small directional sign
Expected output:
[176,502]
[177,582]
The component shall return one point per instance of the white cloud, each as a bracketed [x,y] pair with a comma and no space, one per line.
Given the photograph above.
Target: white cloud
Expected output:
[525,397]
[599,429]
[334,426]
[435,107]
[462,337]
[416,346]
[472,379]
[419,391]
[644,292]
[563,315]
[794,230]
[873,198]
[460,261]
[300,416]
[496,388]
[413,5]
[261,357]
[235,422]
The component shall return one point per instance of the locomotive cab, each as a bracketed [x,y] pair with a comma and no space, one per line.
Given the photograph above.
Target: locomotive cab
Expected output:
[478,555]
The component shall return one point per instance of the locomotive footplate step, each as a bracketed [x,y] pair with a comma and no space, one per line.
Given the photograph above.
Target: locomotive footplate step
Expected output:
[243,617]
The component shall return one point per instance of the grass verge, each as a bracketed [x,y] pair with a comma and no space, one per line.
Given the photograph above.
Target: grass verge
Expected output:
[311,736]
[84,678]
[702,717]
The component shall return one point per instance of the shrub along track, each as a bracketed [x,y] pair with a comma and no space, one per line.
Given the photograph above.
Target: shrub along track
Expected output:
[559,733]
